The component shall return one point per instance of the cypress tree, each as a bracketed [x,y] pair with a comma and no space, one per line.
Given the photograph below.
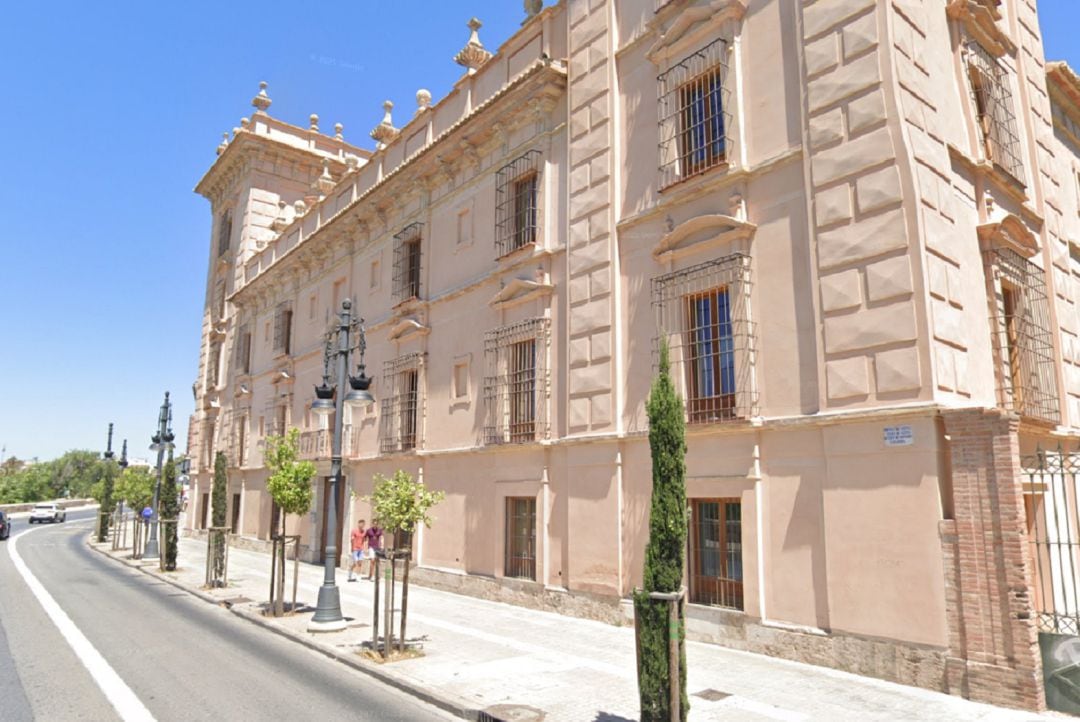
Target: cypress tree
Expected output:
[217,514]
[105,510]
[665,552]
[169,510]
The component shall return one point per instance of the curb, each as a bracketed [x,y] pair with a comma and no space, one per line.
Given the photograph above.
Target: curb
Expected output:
[444,703]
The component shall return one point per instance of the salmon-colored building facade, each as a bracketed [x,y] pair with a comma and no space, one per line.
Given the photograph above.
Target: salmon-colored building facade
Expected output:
[856,223]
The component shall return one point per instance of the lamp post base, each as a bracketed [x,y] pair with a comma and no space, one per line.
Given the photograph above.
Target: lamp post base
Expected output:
[151,551]
[327,617]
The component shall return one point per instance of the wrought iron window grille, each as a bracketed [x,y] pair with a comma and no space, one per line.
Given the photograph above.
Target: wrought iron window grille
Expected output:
[693,114]
[400,403]
[407,262]
[1021,336]
[282,328]
[520,558]
[703,314]
[517,187]
[224,233]
[516,382]
[995,115]
[1052,512]
[243,350]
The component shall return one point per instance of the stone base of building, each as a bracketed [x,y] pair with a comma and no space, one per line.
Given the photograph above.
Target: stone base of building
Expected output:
[253,544]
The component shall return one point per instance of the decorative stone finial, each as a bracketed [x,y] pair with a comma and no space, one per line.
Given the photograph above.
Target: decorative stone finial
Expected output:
[262,100]
[338,127]
[300,207]
[385,131]
[353,162]
[325,183]
[314,120]
[282,220]
[473,55]
[224,143]
[245,124]
[532,9]
[423,100]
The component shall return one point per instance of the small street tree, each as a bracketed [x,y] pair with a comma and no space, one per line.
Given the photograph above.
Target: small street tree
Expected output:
[218,513]
[108,481]
[290,487]
[664,554]
[400,504]
[135,487]
[170,510]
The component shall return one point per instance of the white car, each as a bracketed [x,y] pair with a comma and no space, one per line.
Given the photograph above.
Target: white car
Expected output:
[47,513]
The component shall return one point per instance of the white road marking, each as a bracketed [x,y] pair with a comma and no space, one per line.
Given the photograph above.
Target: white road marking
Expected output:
[121,697]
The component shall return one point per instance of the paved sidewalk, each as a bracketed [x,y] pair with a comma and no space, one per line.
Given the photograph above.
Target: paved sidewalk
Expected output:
[517,663]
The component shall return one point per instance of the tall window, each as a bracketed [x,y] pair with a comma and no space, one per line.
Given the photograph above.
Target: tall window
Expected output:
[219,300]
[241,440]
[400,398]
[693,135]
[224,233]
[1023,342]
[213,370]
[282,329]
[516,188]
[716,569]
[520,561]
[515,382]
[994,113]
[243,350]
[407,262]
[703,315]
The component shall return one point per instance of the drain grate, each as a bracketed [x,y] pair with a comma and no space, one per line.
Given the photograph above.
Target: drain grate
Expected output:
[712,695]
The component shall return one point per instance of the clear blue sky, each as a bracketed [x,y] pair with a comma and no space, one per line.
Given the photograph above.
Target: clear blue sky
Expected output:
[110,113]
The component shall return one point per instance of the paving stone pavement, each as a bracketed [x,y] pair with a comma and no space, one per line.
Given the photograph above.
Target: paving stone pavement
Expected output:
[480,655]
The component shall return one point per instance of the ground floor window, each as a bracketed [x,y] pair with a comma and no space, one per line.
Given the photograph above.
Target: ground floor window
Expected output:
[520,538]
[716,569]
[235,526]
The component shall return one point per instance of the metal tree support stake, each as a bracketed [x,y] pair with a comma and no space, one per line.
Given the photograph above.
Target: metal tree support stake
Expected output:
[217,536]
[675,601]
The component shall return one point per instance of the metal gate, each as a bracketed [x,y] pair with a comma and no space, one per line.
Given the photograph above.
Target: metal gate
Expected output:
[1051,490]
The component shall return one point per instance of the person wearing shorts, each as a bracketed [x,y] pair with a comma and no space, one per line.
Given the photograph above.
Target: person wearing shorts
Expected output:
[373,536]
[358,540]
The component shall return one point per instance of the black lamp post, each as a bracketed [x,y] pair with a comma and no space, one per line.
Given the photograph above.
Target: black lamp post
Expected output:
[348,332]
[162,441]
[103,512]
[123,464]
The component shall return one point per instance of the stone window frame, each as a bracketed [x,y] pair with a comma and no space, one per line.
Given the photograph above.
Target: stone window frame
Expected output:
[712,363]
[224,232]
[408,262]
[401,404]
[242,355]
[282,329]
[513,415]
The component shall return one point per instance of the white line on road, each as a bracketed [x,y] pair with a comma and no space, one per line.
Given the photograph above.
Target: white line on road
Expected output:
[121,697]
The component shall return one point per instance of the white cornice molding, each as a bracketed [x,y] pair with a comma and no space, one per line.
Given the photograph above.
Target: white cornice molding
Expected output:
[702,233]
[520,290]
[711,17]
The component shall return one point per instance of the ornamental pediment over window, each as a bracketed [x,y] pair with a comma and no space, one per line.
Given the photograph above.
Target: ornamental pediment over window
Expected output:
[519,290]
[695,26]
[979,18]
[1010,232]
[406,328]
[703,233]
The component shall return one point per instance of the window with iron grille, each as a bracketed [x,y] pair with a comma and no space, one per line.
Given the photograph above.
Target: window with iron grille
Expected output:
[693,114]
[1022,340]
[219,300]
[516,187]
[520,562]
[282,328]
[994,112]
[213,370]
[400,399]
[516,382]
[240,433]
[224,233]
[243,350]
[407,262]
[716,570]
[702,313]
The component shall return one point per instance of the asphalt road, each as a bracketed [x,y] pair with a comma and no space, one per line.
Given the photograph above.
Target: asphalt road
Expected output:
[181,657]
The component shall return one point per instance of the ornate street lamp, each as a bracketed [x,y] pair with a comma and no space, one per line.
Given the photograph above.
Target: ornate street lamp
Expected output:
[348,333]
[123,464]
[162,442]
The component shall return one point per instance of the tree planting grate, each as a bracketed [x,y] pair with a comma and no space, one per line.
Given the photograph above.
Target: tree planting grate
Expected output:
[235,600]
[712,695]
[510,713]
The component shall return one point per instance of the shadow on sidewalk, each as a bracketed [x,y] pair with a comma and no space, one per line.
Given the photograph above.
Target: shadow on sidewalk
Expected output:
[605,717]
